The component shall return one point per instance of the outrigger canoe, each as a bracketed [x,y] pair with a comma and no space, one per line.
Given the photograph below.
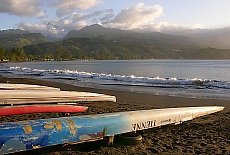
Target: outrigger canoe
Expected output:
[13,97]
[27,135]
[29,109]
[9,86]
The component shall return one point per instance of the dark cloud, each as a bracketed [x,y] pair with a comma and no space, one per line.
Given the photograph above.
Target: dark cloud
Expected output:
[108,16]
[67,7]
[22,8]
[78,16]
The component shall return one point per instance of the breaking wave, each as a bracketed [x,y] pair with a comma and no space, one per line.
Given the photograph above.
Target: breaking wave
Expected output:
[123,80]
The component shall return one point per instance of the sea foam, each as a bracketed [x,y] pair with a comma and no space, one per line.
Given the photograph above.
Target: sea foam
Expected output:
[126,80]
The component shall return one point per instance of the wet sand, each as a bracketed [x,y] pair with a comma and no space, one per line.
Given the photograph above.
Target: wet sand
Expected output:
[206,135]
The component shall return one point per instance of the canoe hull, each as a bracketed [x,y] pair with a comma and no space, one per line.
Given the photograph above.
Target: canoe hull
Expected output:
[47,132]
[24,97]
[29,109]
[9,86]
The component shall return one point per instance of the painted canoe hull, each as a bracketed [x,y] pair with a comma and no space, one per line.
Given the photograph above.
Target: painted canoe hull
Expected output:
[27,135]
[25,96]
[8,86]
[29,109]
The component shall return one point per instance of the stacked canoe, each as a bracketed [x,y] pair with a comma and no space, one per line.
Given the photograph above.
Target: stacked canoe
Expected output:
[24,99]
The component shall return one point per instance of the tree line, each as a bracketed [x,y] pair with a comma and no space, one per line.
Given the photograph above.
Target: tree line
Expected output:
[15,54]
[102,48]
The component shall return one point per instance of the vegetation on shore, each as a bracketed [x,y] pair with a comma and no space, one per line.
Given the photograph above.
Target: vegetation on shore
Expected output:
[102,48]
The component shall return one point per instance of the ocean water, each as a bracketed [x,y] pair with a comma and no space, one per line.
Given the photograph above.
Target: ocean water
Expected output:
[183,78]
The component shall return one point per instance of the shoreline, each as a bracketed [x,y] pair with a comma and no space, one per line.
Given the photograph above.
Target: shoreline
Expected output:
[204,135]
[131,98]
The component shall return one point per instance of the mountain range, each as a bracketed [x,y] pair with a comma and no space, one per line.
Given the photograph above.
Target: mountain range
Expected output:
[98,42]
[214,38]
[96,30]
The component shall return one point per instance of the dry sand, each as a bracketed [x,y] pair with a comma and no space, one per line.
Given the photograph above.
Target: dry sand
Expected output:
[206,135]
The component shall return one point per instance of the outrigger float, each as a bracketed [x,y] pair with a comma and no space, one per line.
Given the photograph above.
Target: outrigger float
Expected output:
[28,135]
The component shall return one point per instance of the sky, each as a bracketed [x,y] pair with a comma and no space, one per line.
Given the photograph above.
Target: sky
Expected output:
[58,17]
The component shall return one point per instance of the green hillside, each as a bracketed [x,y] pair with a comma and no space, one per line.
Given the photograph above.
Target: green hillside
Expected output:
[105,48]
[10,39]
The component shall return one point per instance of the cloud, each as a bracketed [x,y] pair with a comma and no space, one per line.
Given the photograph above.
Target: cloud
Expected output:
[136,16]
[166,27]
[160,27]
[108,16]
[140,17]
[55,29]
[99,16]
[59,28]
[81,16]
[32,8]
[22,8]
[67,7]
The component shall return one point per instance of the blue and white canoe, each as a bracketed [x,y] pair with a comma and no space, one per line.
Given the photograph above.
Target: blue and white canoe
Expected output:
[27,135]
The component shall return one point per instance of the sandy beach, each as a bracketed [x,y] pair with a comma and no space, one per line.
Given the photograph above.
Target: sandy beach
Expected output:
[206,135]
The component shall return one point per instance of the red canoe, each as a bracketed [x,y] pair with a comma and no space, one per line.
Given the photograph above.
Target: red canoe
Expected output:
[29,109]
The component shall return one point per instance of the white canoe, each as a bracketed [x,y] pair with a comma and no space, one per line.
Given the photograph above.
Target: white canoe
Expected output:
[39,96]
[9,86]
